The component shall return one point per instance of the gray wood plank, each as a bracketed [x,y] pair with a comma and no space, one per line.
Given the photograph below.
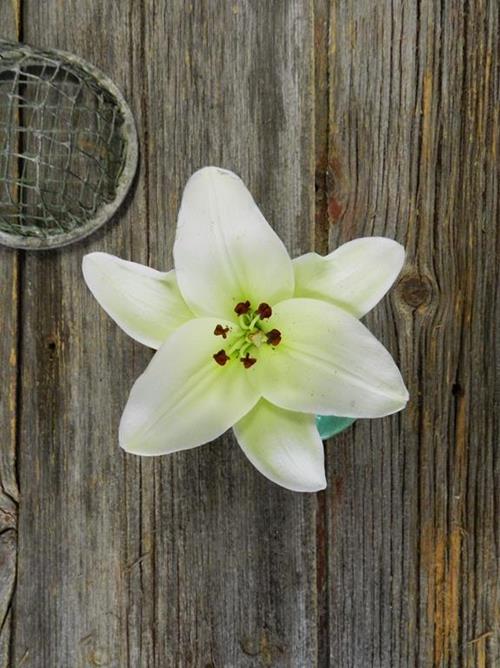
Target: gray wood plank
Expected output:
[192,559]
[233,554]
[9,494]
[320,235]
[412,514]
[72,595]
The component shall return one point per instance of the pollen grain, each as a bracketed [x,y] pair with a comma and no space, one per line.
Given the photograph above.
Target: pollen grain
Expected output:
[242,307]
[247,361]
[221,358]
[221,331]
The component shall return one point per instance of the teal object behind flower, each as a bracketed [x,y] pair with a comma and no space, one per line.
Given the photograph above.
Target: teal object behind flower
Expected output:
[331,425]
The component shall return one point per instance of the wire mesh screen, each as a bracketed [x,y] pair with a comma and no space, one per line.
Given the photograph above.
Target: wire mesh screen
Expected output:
[65,147]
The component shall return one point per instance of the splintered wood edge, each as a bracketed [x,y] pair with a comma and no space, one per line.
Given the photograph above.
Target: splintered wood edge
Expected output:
[129,134]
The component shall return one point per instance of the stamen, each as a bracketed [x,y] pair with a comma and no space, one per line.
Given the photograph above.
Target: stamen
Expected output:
[274,337]
[249,335]
[221,331]
[237,343]
[221,357]
[243,320]
[264,310]
[244,348]
[242,307]
[248,361]
[253,322]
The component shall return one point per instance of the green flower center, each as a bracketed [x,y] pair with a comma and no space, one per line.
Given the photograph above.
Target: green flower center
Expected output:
[248,336]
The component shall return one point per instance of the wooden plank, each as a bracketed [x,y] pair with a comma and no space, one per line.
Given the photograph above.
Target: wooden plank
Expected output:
[413,154]
[9,495]
[192,559]
[71,599]
[232,554]
[322,183]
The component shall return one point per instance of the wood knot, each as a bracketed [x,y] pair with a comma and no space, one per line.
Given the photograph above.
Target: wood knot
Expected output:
[51,344]
[415,290]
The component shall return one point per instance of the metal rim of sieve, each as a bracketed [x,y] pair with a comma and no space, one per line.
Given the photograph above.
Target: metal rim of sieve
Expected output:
[128,131]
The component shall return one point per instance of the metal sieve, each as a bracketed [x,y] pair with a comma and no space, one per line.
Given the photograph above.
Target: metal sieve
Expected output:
[68,147]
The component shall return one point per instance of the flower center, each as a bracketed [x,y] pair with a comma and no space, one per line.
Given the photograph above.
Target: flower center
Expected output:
[251,333]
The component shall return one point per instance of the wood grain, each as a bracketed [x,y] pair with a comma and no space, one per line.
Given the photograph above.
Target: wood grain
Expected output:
[71,598]
[233,555]
[192,559]
[10,263]
[345,119]
[412,511]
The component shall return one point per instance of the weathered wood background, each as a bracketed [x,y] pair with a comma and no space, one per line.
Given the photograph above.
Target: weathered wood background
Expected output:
[346,118]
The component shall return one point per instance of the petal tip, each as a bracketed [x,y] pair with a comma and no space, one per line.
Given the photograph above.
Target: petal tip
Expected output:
[86,259]
[137,451]
[88,262]
[212,170]
[318,485]
[93,260]
[95,255]
[127,443]
[402,402]
[405,395]
[399,251]
[392,246]
[311,486]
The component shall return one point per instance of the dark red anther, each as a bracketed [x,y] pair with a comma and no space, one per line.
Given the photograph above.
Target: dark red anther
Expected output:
[221,331]
[264,310]
[242,308]
[221,357]
[274,337]
[248,361]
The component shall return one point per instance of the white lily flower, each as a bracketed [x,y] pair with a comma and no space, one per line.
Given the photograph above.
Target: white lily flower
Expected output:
[247,338]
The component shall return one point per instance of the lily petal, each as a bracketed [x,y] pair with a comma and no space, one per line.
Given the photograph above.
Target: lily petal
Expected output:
[284,446]
[355,276]
[144,302]
[184,398]
[225,252]
[327,363]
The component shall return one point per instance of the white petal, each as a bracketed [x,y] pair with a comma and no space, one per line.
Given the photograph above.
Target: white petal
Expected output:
[225,252]
[327,363]
[144,302]
[355,276]
[184,398]
[284,446]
